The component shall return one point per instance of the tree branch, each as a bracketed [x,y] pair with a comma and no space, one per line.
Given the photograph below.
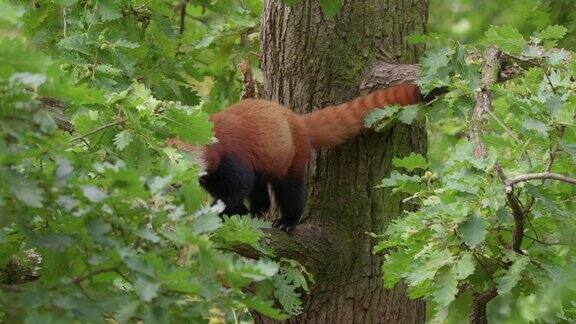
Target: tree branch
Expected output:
[554,149]
[383,73]
[490,71]
[78,280]
[306,244]
[479,302]
[511,182]
[118,122]
[543,242]
[511,133]
[181,8]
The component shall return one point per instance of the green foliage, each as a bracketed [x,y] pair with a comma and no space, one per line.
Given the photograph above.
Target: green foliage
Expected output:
[410,162]
[507,38]
[467,20]
[457,236]
[383,119]
[102,220]
[330,7]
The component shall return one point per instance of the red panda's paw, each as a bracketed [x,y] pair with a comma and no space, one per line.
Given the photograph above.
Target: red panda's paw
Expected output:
[285,224]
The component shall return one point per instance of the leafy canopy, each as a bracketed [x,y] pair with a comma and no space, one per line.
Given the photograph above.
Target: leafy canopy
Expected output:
[460,240]
[100,219]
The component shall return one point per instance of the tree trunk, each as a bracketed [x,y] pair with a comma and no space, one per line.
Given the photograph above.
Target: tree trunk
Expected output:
[311,61]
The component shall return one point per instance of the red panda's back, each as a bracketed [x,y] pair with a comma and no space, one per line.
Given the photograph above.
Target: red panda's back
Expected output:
[260,132]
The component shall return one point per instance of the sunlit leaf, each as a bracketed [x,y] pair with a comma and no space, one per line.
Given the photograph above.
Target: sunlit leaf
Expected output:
[507,38]
[411,162]
[553,32]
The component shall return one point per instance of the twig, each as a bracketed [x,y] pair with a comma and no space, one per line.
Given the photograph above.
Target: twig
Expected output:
[506,128]
[531,226]
[182,8]
[84,292]
[78,280]
[511,133]
[200,20]
[529,205]
[64,24]
[125,277]
[511,182]
[553,153]
[537,240]
[550,82]
[518,215]
[490,277]
[118,122]
[554,150]
[518,233]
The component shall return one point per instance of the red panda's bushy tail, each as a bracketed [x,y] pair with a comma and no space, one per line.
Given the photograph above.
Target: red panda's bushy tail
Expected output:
[333,125]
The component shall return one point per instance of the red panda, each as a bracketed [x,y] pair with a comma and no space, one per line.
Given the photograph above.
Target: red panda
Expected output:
[260,142]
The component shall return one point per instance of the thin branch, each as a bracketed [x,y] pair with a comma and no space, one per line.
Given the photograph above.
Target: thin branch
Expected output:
[490,277]
[182,8]
[118,122]
[511,133]
[490,71]
[554,150]
[78,280]
[540,241]
[306,243]
[84,292]
[506,128]
[550,82]
[125,277]
[64,24]
[517,213]
[511,182]
[547,243]
[531,226]
[200,20]
[529,205]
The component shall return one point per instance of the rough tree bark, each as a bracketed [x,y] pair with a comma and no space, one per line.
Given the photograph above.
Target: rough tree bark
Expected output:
[311,61]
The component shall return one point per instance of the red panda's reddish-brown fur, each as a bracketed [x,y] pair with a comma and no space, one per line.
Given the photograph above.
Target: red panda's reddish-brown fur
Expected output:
[272,139]
[260,141]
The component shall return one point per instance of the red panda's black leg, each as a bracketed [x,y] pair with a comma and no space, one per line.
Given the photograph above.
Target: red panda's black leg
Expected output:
[259,197]
[291,197]
[232,183]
